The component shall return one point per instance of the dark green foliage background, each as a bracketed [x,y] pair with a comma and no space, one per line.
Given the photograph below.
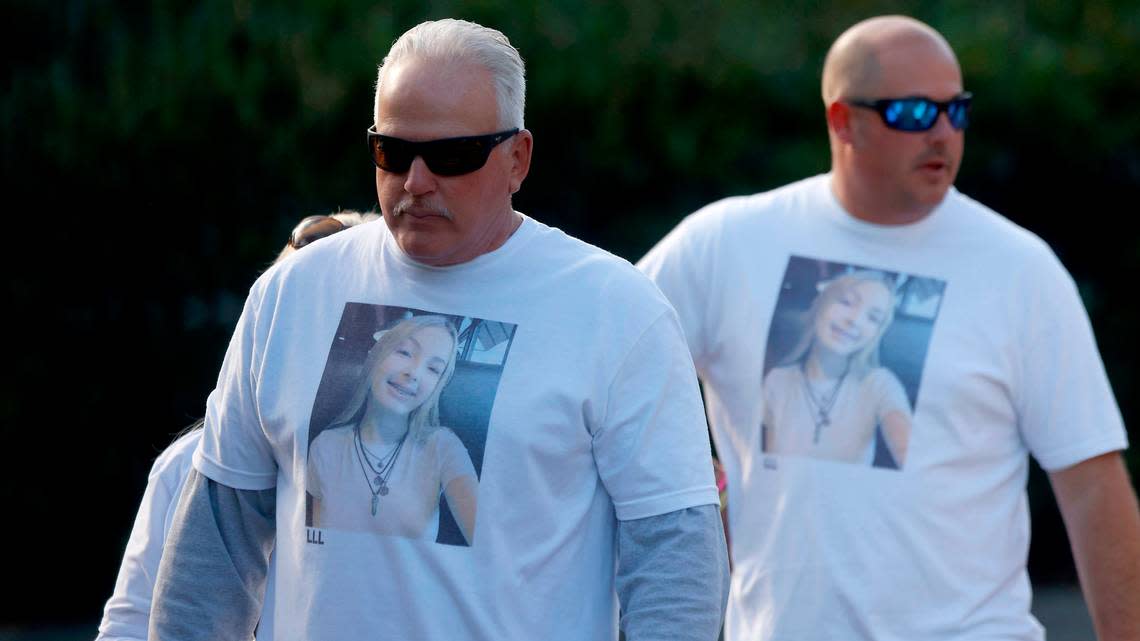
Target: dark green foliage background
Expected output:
[155,155]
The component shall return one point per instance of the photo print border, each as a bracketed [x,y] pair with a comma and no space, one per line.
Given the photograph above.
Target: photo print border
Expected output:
[901,350]
[465,403]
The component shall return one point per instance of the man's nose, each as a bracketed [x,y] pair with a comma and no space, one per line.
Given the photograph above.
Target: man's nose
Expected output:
[420,179]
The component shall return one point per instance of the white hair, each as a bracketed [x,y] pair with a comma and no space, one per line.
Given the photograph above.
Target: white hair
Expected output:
[452,40]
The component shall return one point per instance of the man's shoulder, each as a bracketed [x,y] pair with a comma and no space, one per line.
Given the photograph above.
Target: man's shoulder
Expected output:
[569,257]
[558,247]
[990,227]
[735,226]
[761,207]
[304,275]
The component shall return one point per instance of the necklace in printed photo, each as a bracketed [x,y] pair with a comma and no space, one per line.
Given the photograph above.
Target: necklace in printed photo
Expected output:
[376,474]
[820,407]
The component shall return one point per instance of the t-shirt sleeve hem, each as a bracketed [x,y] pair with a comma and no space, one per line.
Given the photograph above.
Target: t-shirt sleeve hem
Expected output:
[663,504]
[1071,455]
[229,477]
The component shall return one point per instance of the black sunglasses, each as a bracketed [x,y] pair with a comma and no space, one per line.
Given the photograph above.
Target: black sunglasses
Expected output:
[444,157]
[918,113]
[314,228]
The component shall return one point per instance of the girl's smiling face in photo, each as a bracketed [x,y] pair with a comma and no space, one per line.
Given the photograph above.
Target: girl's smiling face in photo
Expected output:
[854,318]
[408,376]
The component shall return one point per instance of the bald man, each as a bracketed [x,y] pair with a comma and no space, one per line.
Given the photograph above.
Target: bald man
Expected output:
[880,355]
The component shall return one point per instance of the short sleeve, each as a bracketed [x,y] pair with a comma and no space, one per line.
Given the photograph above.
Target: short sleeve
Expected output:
[1066,409]
[454,461]
[234,450]
[317,461]
[682,272]
[652,447]
[889,394]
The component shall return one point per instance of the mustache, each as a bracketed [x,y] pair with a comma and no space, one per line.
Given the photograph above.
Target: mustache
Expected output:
[421,207]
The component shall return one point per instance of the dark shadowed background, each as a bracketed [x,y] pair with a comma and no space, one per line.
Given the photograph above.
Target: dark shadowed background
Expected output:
[156,154]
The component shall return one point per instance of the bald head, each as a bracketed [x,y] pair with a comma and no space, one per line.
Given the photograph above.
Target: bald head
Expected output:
[855,63]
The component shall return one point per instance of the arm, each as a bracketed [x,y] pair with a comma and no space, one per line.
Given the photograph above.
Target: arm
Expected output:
[1099,507]
[460,484]
[211,580]
[672,575]
[128,609]
[651,449]
[896,432]
[461,499]
[722,489]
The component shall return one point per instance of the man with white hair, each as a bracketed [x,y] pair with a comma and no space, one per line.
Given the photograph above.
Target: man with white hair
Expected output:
[880,354]
[569,441]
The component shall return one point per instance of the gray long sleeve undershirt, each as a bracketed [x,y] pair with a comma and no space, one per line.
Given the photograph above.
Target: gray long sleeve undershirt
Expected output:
[672,575]
[211,580]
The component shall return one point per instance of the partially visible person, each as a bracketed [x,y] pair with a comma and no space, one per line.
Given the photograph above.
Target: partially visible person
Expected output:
[127,613]
[989,340]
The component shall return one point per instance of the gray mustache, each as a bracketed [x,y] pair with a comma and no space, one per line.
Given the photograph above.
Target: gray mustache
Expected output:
[403,208]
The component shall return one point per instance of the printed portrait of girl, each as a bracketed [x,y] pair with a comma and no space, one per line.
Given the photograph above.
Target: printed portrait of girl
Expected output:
[829,395]
[383,462]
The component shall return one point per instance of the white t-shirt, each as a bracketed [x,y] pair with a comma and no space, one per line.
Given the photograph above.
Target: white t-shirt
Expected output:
[573,394]
[994,350]
[127,613]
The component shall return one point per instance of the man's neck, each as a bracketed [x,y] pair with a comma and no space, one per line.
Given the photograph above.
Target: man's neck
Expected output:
[867,207]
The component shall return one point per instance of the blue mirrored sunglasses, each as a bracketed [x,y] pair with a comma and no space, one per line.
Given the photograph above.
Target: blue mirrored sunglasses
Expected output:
[918,113]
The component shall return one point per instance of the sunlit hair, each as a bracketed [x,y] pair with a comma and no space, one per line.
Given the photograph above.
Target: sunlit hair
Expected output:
[864,360]
[347,217]
[423,420]
[451,40]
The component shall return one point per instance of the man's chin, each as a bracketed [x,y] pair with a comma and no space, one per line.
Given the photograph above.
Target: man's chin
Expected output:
[932,194]
[428,251]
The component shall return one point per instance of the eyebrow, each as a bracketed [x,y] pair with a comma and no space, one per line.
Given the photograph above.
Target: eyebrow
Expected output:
[420,347]
[412,339]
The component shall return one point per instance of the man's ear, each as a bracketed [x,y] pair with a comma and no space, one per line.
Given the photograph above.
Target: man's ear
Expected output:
[521,147]
[839,121]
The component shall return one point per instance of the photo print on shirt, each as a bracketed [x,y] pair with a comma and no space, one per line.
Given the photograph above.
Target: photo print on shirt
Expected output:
[844,360]
[400,421]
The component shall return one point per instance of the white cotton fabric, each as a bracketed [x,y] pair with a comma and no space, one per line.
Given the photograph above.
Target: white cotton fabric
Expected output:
[127,613]
[597,417]
[936,550]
